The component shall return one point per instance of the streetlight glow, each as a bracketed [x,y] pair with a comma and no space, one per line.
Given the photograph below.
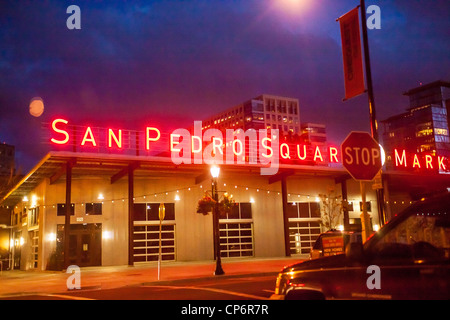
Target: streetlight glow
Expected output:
[215,170]
[293,6]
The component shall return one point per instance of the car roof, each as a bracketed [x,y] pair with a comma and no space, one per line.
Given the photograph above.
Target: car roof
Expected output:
[437,200]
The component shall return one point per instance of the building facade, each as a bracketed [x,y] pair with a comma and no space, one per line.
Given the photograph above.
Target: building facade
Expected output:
[114,202]
[417,147]
[423,129]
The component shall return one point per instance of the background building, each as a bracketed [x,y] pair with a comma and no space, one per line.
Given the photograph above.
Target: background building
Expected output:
[424,128]
[7,178]
[313,133]
[263,112]
[274,112]
[421,131]
[7,153]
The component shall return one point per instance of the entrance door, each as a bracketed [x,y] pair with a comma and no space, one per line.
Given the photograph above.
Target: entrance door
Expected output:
[17,249]
[85,244]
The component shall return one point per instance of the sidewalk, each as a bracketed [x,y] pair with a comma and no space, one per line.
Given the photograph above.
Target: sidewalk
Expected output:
[31,282]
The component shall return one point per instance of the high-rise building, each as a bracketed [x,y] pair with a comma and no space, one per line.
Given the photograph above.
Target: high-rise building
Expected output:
[423,130]
[263,112]
[313,133]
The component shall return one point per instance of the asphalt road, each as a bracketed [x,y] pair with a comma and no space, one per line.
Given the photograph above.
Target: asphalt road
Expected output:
[214,288]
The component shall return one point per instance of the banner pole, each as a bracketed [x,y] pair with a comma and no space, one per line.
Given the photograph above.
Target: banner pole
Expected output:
[372,110]
[373,117]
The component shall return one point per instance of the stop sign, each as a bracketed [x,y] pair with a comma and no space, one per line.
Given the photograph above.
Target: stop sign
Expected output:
[361,156]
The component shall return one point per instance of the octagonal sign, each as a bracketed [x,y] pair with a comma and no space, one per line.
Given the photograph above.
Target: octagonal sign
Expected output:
[361,156]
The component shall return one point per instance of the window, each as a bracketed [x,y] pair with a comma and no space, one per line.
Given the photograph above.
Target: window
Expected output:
[93,208]
[283,106]
[350,206]
[424,235]
[304,226]
[441,131]
[424,132]
[34,236]
[368,206]
[258,117]
[61,209]
[146,232]
[236,232]
[257,106]
[33,217]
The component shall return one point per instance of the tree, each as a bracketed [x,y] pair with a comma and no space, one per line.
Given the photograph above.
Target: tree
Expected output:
[8,181]
[331,209]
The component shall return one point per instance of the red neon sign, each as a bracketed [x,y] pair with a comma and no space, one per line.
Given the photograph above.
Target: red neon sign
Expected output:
[112,136]
[417,161]
[60,131]
[212,146]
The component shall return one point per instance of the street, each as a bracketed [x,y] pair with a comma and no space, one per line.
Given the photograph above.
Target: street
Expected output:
[227,288]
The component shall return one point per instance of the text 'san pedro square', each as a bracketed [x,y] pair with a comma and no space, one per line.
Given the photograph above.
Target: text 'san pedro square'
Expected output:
[213,146]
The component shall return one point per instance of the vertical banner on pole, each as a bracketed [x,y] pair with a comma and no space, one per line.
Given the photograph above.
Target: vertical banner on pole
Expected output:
[351,51]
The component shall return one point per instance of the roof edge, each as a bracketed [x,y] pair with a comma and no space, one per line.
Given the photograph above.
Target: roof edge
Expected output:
[25,178]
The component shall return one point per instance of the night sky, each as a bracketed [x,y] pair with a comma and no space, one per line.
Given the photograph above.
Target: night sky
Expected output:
[168,63]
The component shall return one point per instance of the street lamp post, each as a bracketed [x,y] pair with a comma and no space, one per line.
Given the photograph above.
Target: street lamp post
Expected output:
[215,213]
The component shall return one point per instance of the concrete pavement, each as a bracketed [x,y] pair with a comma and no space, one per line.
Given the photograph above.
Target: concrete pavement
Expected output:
[33,282]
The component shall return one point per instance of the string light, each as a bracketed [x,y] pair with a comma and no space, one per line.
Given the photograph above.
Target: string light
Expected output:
[299,196]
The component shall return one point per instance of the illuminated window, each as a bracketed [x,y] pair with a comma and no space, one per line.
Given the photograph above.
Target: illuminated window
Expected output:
[236,232]
[304,226]
[424,147]
[146,232]
[33,217]
[424,132]
[441,131]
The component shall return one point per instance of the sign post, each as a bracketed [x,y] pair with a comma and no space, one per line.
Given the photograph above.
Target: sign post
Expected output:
[361,156]
[161,214]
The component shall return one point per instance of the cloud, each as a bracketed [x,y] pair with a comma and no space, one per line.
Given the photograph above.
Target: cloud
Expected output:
[173,62]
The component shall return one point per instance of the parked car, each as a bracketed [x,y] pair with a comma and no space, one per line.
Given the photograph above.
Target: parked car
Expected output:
[408,258]
[333,242]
